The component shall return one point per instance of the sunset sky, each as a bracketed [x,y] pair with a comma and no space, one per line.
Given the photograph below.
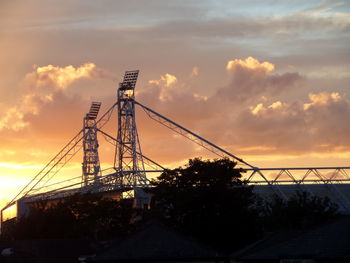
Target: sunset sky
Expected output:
[266,80]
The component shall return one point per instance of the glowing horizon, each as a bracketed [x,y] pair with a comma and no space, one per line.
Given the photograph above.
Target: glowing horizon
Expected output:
[267,82]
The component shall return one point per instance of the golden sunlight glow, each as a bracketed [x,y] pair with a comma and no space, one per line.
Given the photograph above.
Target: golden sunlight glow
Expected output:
[165,83]
[322,98]
[200,97]
[10,212]
[261,109]
[195,72]
[19,166]
[250,63]
[257,148]
[257,109]
[169,79]
[13,120]
[276,105]
[63,76]
[14,176]
[39,87]
[166,80]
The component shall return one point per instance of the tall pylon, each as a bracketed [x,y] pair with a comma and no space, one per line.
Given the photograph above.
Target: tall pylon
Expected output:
[128,159]
[91,161]
[129,173]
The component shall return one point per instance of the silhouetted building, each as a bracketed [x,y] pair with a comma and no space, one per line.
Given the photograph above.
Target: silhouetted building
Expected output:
[326,243]
[157,243]
[46,250]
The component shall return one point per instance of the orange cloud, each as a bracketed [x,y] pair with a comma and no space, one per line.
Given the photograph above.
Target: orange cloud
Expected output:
[165,83]
[316,126]
[12,119]
[322,98]
[165,80]
[271,126]
[39,88]
[245,116]
[261,109]
[251,80]
[195,72]
[61,77]
[252,64]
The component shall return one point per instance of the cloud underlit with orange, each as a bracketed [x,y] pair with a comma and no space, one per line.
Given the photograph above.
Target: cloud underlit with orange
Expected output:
[39,88]
[262,123]
[263,128]
[60,77]
[252,64]
[322,98]
[269,83]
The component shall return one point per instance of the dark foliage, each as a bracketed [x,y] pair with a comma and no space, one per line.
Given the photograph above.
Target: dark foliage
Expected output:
[208,200]
[301,211]
[79,216]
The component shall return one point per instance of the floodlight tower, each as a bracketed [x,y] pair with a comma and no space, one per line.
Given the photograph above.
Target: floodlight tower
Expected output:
[91,161]
[128,158]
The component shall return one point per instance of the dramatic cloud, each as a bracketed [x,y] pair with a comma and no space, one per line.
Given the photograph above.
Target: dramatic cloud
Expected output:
[283,94]
[59,77]
[39,88]
[228,117]
[12,119]
[315,126]
[251,79]
[252,64]
[322,99]
[245,116]
[165,80]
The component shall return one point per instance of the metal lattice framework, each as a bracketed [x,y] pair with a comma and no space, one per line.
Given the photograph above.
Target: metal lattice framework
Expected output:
[131,166]
[329,177]
[39,184]
[91,161]
[267,176]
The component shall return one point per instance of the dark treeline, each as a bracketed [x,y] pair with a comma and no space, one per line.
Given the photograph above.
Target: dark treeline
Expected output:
[207,200]
[79,216]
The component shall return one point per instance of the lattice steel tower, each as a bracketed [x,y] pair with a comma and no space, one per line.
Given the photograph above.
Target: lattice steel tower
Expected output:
[128,158]
[91,161]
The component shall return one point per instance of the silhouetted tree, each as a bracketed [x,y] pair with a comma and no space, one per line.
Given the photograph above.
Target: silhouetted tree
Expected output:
[208,200]
[300,211]
[205,199]
[77,216]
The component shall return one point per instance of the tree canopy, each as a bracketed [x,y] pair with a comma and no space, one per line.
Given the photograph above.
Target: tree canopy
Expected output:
[208,200]
[301,211]
[78,216]
[205,199]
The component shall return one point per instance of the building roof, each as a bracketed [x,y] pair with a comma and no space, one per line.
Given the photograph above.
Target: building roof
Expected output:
[329,241]
[156,242]
[46,250]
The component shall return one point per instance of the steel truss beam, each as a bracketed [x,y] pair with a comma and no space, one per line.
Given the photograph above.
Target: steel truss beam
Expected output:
[261,172]
[128,138]
[147,161]
[190,135]
[59,161]
[302,176]
[106,183]
[201,141]
[334,175]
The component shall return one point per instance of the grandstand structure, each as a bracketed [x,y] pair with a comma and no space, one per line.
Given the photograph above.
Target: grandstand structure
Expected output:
[131,168]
